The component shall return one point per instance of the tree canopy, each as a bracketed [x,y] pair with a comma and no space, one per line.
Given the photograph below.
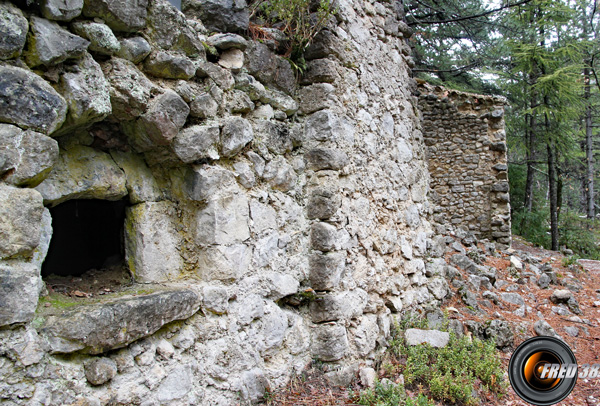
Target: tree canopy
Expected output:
[543,56]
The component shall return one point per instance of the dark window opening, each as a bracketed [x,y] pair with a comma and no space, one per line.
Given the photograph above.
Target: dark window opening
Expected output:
[87,234]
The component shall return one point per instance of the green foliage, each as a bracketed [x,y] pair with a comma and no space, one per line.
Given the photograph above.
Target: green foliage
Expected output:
[390,394]
[580,235]
[576,232]
[448,374]
[296,20]
[452,372]
[411,320]
[421,400]
[449,48]
[570,260]
[533,226]
[382,395]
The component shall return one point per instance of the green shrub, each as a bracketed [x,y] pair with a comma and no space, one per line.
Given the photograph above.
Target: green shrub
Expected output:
[421,400]
[533,226]
[450,374]
[390,395]
[296,20]
[580,235]
[382,395]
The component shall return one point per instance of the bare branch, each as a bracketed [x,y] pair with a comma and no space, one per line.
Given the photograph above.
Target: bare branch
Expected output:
[453,20]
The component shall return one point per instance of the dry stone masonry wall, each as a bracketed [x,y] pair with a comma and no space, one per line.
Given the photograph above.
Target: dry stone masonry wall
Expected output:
[270,220]
[466,153]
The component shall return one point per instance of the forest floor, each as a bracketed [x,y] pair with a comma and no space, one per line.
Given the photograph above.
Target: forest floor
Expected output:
[581,277]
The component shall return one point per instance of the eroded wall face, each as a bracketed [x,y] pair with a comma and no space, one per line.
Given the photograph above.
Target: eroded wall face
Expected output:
[466,153]
[270,221]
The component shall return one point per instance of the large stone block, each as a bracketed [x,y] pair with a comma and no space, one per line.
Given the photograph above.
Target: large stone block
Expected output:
[160,124]
[219,15]
[168,65]
[237,102]
[224,220]
[224,263]
[28,101]
[250,85]
[366,334]
[126,16]
[221,76]
[28,155]
[102,39]
[275,136]
[203,103]
[254,385]
[280,174]
[403,152]
[323,125]
[50,44]
[178,383]
[321,70]
[281,285]
[236,133]
[279,100]
[316,97]
[20,286]
[325,43]
[322,204]
[134,49]
[329,342]
[130,89]
[87,93]
[326,158]
[75,176]
[100,370]
[61,10]
[204,183]
[227,41]
[269,68]
[97,328]
[164,23]
[435,338]
[13,31]
[326,270]
[338,306]
[39,254]
[141,184]
[152,242]
[197,142]
[323,236]
[264,217]
[20,221]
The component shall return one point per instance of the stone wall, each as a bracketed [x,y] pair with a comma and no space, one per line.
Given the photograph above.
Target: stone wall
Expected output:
[466,152]
[271,220]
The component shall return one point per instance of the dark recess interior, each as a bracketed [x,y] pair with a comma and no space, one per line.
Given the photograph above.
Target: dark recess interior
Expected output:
[87,234]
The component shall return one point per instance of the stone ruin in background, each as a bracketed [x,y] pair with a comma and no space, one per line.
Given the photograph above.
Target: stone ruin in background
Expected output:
[266,220]
[466,152]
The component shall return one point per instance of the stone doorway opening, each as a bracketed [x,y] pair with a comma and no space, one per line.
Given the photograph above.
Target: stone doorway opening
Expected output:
[86,253]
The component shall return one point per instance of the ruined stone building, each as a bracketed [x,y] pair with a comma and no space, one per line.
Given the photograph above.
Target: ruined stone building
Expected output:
[267,219]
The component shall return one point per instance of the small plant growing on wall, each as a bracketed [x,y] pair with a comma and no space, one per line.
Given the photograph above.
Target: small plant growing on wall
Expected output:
[299,20]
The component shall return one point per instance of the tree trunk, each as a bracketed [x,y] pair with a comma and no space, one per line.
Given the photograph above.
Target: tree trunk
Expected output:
[589,151]
[553,195]
[531,154]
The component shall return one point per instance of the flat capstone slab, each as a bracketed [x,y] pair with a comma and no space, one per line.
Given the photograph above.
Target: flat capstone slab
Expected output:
[97,328]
